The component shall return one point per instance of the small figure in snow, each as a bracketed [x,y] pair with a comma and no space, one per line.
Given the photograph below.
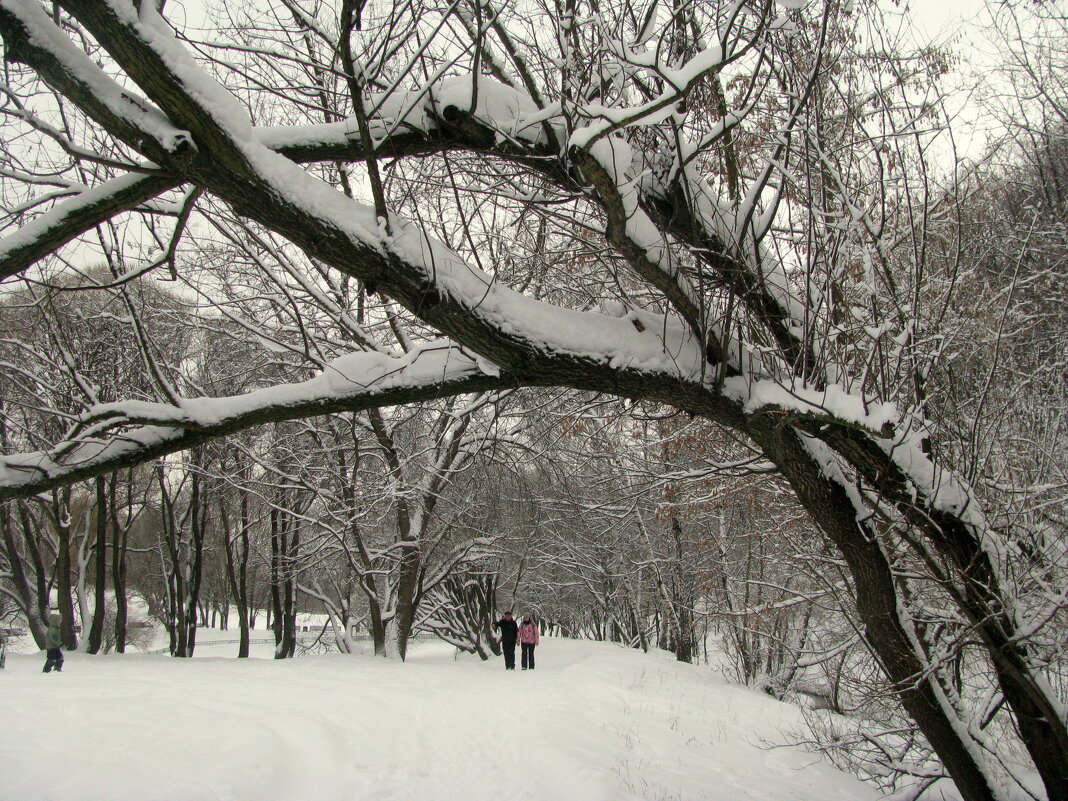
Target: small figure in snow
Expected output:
[528,639]
[508,629]
[54,644]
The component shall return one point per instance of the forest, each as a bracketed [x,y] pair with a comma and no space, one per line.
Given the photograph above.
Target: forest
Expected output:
[733,323]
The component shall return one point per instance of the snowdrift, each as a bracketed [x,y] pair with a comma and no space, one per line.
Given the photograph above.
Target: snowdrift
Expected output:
[594,722]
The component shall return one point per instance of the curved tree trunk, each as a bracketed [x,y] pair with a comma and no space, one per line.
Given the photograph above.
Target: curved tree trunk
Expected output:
[952,550]
[886,630]
[213,157]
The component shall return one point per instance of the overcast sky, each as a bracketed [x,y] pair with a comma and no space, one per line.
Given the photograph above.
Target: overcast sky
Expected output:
[938,17]
[943,16]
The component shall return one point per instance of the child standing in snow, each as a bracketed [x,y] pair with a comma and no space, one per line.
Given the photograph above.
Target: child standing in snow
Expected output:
[528,640]
[54,644]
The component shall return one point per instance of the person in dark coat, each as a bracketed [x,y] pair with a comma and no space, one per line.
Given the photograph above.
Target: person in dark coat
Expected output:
[54,644]
[508,629]
[528,638]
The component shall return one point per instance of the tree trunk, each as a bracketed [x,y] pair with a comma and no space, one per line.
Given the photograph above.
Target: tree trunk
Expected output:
[31,537]
[405,603]
[237,569]
[970,577]
[283,589]
[34,601]
[194,567]
[878,608]
[1041,722]
[64,586]
[275,612]
[29,600]
[118,563]
[486,606]
[374,617]
[684,643]
[174,567]
[96,631]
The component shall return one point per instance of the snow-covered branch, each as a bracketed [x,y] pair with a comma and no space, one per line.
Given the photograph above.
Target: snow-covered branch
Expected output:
[105,439]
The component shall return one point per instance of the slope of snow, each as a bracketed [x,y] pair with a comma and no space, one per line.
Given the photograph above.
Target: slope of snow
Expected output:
[594,722]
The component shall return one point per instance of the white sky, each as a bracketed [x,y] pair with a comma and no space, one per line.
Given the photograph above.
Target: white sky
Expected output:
[957,24]
[938,18]
[941,17]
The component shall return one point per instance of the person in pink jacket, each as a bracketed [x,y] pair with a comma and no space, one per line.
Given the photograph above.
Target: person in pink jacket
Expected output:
[528,639]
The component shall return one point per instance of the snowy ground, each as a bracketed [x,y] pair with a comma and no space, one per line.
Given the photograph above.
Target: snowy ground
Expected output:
[594,722]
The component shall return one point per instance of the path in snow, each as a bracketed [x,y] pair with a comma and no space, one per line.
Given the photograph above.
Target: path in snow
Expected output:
[594,722]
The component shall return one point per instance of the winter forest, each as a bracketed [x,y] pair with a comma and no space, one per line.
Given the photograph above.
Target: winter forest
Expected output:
[731,329]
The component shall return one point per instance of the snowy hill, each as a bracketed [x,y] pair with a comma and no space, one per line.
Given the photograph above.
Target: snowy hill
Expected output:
[594,722]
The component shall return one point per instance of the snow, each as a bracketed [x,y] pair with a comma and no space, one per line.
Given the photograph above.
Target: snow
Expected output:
[124,105]
[594,722]
[30,232]
[833,400]
[606,119]
[512,112]
[155,31]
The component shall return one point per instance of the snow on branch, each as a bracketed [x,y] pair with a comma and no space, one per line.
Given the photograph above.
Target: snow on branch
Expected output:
[833,403]
[113,435]
[31,36]
[68,220]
